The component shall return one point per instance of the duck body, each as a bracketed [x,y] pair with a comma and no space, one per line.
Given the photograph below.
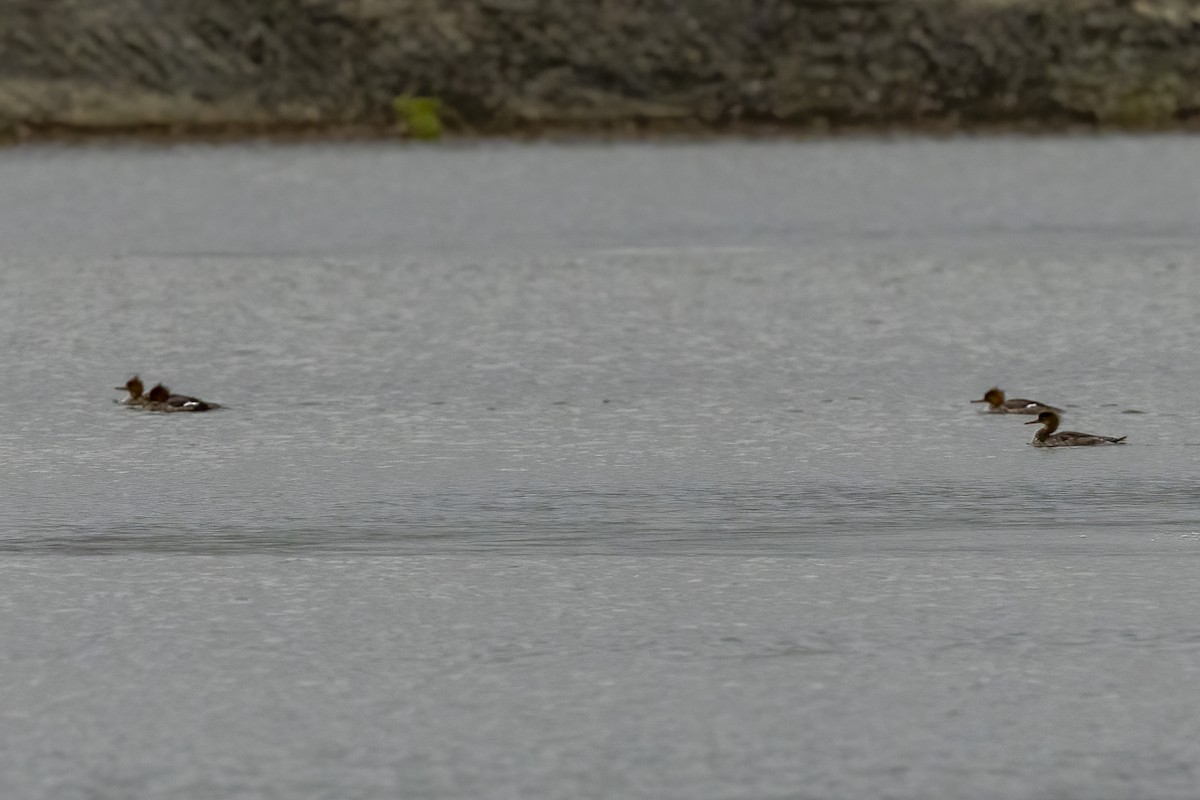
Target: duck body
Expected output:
[1050,436]
[181,402]
[998,404]
[161,399]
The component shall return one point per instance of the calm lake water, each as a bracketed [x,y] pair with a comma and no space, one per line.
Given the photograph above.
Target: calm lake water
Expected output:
[600,470]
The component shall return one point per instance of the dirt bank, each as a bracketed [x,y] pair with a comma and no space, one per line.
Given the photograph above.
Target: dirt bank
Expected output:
[508,66]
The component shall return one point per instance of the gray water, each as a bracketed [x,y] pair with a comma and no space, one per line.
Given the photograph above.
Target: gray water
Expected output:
[600,470]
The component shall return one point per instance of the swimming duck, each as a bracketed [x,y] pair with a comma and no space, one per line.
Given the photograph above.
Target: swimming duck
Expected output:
[1046,436]
[994,397]
[135,388]
[161,399]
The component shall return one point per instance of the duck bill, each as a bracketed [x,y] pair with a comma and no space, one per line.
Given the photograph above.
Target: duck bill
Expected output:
[980,400]
[1033,422]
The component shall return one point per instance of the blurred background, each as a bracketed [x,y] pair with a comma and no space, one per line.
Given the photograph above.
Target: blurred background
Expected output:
[425,67]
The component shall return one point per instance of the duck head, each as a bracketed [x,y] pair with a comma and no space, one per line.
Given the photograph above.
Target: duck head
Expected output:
[133,386]
[1047,418]
[993,397]
[159,394]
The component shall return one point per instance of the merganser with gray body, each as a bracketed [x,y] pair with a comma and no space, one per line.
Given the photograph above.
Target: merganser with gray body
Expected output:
[1046,436]
[994,397]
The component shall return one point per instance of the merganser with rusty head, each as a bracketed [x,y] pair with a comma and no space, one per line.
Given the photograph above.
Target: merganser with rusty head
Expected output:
[161,399]
[135,387]
[994,397]
[1046,436]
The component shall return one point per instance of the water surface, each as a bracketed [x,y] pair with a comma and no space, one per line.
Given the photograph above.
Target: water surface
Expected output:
[600,470]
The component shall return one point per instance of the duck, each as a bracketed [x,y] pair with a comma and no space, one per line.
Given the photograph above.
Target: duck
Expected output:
[1046,436]
[994,397]
[161,399]
[135,387]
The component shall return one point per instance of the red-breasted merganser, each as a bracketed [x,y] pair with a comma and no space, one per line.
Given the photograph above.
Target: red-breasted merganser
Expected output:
[135,388]
[161,399]
[994,397]
[1046,437]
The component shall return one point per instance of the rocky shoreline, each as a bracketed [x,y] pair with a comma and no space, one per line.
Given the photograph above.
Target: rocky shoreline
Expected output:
[355,68]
